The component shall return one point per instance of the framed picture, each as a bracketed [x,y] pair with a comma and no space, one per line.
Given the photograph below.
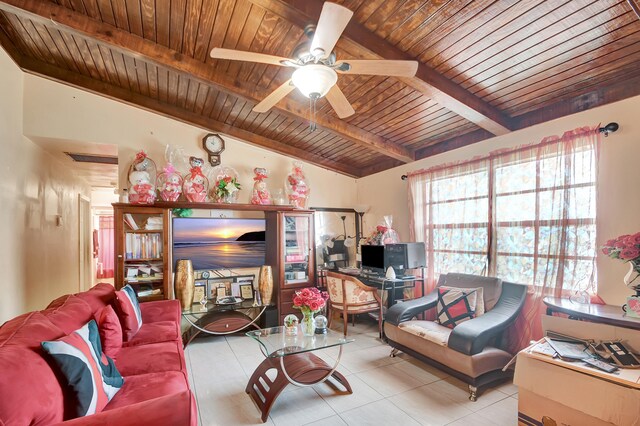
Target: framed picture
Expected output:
[199,293]
[230,285]
[246,291]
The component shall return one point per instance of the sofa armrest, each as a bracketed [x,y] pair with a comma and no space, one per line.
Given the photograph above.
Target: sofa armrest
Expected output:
[161,310]
[404,311]
[472,336]
[177,409]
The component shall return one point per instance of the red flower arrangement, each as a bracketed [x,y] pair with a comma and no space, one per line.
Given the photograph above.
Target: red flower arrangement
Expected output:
[310,300]
[627,249]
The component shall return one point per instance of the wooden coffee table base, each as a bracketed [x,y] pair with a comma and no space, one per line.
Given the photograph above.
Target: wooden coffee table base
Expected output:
[303,369]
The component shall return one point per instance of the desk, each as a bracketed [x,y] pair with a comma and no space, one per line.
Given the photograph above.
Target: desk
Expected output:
[392,285]
[605,314]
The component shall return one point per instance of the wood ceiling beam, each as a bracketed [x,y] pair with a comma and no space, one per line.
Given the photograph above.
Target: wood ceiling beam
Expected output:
[70,78]
[599,96]
[129,44]
[358,38]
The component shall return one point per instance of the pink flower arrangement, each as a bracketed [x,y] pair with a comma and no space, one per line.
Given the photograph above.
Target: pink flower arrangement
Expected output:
[310,300]
[625,247]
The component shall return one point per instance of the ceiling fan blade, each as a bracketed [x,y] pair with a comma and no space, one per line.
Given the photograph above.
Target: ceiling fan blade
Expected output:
[274,97]
[381,67]
[239,55]
[333,20]
[339,102]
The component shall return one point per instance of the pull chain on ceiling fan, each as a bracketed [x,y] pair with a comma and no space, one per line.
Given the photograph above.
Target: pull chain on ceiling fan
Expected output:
[317,71]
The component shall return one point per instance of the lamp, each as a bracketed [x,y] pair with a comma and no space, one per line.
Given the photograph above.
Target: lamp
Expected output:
[314,81]
[361,209]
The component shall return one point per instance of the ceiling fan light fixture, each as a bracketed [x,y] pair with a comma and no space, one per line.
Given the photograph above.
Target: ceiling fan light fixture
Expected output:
[313,80]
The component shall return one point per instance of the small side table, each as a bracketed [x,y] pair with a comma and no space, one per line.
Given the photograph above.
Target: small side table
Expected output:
[294,363]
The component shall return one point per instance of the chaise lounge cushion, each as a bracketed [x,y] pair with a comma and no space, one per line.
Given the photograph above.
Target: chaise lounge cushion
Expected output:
[28,330]
[429,330]
[161,310]
[144,387]
[98,296]
[30,393]
[151,358]
[155,332]
[72,314]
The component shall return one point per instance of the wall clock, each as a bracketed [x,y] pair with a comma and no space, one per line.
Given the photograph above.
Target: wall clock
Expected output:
[214,145]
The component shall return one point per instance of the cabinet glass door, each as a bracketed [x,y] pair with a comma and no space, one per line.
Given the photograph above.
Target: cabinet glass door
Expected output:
[296,249]
[143,255]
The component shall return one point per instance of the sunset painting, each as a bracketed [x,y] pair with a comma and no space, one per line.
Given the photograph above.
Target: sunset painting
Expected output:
[219,243]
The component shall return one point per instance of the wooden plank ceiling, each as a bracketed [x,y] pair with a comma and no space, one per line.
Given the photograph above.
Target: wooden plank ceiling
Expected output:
[486,67]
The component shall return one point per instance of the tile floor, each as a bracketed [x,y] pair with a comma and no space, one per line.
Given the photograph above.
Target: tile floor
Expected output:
[397,391]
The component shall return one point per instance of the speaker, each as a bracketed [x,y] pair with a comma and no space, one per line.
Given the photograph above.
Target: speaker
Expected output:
[404,256]
[270,317]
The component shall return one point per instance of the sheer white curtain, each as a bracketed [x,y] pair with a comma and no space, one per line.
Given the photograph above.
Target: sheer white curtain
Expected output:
[449,209]
[544,222]
[526,215]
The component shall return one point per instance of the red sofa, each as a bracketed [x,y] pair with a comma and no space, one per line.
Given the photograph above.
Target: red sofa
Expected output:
[156,388]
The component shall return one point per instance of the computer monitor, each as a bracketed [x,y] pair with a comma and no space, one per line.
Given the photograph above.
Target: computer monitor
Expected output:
[372,259]
[404,256]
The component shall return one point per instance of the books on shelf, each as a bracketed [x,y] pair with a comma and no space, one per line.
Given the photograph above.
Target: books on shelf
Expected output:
[154,224]
[128,219]
[143,246]
[151,292]
[295,258]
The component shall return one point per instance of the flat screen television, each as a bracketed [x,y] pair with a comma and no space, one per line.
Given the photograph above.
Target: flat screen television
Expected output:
[216,243]
[372,258]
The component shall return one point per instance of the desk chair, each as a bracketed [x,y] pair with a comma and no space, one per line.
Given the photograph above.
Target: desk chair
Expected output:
[349,296]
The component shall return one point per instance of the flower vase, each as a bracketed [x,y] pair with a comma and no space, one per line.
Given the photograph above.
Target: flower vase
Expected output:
[265,284]
[307,324]
[631,279]
[184,284]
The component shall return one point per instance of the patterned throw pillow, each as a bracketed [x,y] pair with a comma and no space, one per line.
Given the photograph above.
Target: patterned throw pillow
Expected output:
[479,298]
[91,375]
[129,312]
[456,305]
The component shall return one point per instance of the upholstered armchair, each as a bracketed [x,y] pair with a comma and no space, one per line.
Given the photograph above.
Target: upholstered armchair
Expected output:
[474,350]
[349,296]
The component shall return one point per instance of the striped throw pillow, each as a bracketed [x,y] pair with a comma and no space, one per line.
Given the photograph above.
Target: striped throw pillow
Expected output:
[129,312]
[91,375]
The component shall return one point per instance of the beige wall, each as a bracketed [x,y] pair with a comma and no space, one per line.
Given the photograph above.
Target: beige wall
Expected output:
[38,259]
[56,111]
[618,210]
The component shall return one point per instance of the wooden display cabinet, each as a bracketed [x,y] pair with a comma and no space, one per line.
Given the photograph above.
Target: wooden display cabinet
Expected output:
[143,251]
[293,257]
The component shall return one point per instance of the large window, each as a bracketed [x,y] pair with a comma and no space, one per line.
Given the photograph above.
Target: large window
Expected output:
[526,215]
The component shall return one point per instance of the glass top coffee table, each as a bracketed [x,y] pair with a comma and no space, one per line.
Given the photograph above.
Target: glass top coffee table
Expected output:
[294,362]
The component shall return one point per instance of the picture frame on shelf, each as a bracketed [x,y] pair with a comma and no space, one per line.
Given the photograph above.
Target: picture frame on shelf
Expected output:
[200,290]
[246,291]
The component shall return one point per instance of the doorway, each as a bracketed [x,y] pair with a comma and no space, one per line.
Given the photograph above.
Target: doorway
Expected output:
[85,242]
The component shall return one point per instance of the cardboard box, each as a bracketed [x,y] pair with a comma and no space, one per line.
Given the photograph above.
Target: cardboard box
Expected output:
[552,391]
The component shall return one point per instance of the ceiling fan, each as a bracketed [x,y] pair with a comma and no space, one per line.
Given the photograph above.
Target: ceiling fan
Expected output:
[315,62]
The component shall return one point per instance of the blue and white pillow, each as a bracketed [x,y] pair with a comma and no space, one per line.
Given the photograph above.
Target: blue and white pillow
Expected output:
[91,375]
